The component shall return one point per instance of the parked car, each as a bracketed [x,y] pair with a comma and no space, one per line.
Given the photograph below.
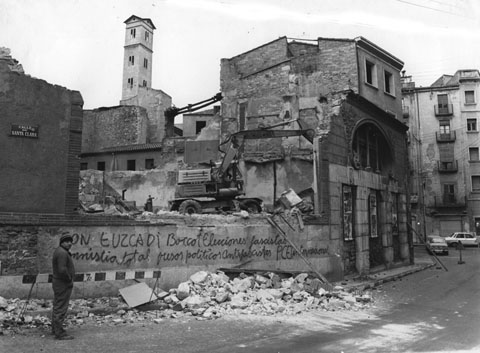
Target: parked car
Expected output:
[436,244]
[464,238]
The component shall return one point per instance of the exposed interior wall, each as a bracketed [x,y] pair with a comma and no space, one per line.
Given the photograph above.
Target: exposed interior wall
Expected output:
[133,185]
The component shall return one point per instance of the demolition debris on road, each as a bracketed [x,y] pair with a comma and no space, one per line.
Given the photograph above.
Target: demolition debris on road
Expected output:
[204,296]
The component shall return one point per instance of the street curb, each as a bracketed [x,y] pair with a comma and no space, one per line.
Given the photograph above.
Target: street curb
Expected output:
[372,283]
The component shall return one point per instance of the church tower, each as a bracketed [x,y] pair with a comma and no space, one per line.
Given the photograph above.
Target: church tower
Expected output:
[137,61]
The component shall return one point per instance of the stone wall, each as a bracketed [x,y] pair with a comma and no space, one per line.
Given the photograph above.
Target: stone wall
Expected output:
[155,101]
[42,125]
[129,122]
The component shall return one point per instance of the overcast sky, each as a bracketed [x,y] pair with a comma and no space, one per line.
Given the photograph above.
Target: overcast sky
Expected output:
[78,44]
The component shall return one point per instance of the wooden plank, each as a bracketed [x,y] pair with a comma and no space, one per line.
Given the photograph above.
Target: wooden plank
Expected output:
[280,230]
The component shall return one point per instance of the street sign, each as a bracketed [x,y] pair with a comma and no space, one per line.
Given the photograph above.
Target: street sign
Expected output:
[29,131]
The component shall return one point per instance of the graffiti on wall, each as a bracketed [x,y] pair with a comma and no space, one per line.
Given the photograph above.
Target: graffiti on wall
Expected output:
[112,250]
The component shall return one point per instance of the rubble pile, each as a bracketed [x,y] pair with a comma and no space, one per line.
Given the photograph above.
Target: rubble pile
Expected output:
[211,295]
[204,296]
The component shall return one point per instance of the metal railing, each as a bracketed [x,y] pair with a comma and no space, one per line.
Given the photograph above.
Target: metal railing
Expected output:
[446,137]
[447,166]
[443,109]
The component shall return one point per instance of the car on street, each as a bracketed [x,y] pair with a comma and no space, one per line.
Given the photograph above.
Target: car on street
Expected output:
[464,238]
[437,245]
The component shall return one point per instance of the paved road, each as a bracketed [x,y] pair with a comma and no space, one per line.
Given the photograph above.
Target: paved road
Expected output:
[429,311]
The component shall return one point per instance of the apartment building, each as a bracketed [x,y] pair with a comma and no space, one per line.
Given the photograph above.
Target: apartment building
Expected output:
[443,121]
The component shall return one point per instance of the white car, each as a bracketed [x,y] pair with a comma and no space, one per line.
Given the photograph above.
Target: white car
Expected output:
[464,238]
[436,244]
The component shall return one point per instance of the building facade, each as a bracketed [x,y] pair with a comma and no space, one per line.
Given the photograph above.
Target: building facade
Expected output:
[444,153]
[356,170]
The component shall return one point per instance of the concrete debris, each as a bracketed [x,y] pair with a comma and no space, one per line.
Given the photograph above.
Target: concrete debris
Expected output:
[204,296]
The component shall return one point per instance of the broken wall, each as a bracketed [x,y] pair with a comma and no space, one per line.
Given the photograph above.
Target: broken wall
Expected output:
[41,139]
[178,247]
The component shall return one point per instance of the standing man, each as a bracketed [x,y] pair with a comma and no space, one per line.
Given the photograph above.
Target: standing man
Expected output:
[62,283]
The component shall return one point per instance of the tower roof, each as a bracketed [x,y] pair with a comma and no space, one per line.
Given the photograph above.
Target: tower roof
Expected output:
[136,18]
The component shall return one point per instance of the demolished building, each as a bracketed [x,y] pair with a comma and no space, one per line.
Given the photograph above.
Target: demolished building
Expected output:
[349,93]
[355,174]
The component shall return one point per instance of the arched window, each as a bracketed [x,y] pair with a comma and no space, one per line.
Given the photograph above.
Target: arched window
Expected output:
[371,151]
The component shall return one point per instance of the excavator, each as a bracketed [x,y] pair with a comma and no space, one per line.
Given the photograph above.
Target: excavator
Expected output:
[221,186]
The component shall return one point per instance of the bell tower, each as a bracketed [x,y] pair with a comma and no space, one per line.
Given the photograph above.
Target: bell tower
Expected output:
[138,52]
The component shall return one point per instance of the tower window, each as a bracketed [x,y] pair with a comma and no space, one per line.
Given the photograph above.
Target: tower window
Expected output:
[130,82]
[144,83]
[133,32]
[131,60]
[147,36]
[145,63]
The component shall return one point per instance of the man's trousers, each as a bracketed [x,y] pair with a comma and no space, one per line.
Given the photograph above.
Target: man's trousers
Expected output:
[61,298]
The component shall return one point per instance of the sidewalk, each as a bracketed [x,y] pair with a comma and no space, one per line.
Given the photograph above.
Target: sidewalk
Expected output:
[380,276]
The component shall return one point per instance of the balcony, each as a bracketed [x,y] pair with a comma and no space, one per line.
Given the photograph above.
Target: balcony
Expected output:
[405,112]
[443,109]
[449,200]
[446,137]
[447,166]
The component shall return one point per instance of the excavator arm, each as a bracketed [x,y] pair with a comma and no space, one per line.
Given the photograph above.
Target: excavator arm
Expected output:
[173,111]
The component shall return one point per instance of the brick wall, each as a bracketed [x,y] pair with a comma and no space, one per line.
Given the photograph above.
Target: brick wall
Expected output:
[40,171]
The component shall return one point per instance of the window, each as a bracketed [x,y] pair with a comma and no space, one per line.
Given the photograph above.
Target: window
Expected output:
[371,151]
[130,82]
[149,164]
[147,36]
[133,33]
[469,97]
[443,108]
[131,164]
[131,60]
[242,112]
[370,73]
[471,124]
[389,83]
[476,183]
[473,152]
[100,165]
[373,220]
[444,127]
[144,83]
[199,125]
[448,193]
[347,198]
[84,166]
[145,63]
